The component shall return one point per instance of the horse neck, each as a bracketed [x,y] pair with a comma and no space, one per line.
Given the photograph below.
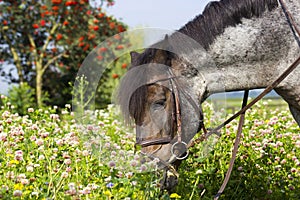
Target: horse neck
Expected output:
[250,55]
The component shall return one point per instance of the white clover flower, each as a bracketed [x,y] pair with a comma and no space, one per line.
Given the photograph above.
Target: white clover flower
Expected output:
[30,110]
[29,168]
[64,174]
[39,142]
[24,181]
[17,193]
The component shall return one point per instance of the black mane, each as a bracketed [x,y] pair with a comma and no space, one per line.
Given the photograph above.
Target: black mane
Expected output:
[217,16]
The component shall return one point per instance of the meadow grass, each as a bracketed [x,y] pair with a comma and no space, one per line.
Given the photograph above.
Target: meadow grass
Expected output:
[47,154]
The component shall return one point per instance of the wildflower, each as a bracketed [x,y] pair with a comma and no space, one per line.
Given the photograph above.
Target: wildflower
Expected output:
[59,142]
[277,158]
[68,169]
[293,170]
[111,164]
[283,161]
[119,174]
[32,138]
[278,143]
[71,192]
[113,153]
[64,174]
[297,143]
[17,193]
[36,165]
[107,193]
[3,136]
[66,155]
[13,162]
[93,186]
[30,110]
[133,163]
[64,112]
[107,145]
[68,105]
[294,158]
[290,177]
[45,134]
[34,193]
[67,161]
[129,174]
[10,175]
[85,153]
[101,123]
[54,116]
[199,171]
[29,168]
[291,187]
[24,181]
[41,157]
[240,168]
[269,191]
[19,155]
[90,127]
[175,196]
[21,176]
[8,120]
[34,127]
[39,142]
[277,167]
[86,190]
[143,168]
[109,185]
[107,179]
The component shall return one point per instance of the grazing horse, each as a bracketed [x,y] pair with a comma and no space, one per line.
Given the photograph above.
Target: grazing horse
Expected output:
[233,45]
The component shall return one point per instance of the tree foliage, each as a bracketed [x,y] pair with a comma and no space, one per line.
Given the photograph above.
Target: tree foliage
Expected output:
[46,41]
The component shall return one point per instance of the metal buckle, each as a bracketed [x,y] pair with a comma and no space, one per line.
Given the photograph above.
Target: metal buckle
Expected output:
[186,153]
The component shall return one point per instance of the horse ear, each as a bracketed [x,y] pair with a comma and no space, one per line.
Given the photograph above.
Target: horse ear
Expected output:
[166,43]
[134,55]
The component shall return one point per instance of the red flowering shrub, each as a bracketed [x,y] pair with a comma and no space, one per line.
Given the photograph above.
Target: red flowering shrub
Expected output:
[51,40]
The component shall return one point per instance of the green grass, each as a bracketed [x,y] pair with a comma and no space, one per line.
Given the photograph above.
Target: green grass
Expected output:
[47,154]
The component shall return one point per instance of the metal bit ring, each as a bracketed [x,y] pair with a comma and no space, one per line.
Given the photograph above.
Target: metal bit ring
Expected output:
[186,153]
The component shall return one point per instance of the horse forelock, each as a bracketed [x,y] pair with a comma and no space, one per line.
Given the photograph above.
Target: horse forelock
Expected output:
[132,93]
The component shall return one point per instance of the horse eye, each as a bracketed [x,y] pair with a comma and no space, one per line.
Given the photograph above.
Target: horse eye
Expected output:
[159,103]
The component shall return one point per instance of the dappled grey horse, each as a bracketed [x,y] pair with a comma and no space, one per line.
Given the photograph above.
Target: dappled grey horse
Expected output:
[233,45]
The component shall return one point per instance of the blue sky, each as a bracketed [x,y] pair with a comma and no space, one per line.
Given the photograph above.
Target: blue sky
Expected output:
[165,14]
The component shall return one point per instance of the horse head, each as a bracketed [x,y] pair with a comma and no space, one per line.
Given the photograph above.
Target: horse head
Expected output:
[158,93]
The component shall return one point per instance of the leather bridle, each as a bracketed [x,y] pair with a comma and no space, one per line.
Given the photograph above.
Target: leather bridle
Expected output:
[176,119]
